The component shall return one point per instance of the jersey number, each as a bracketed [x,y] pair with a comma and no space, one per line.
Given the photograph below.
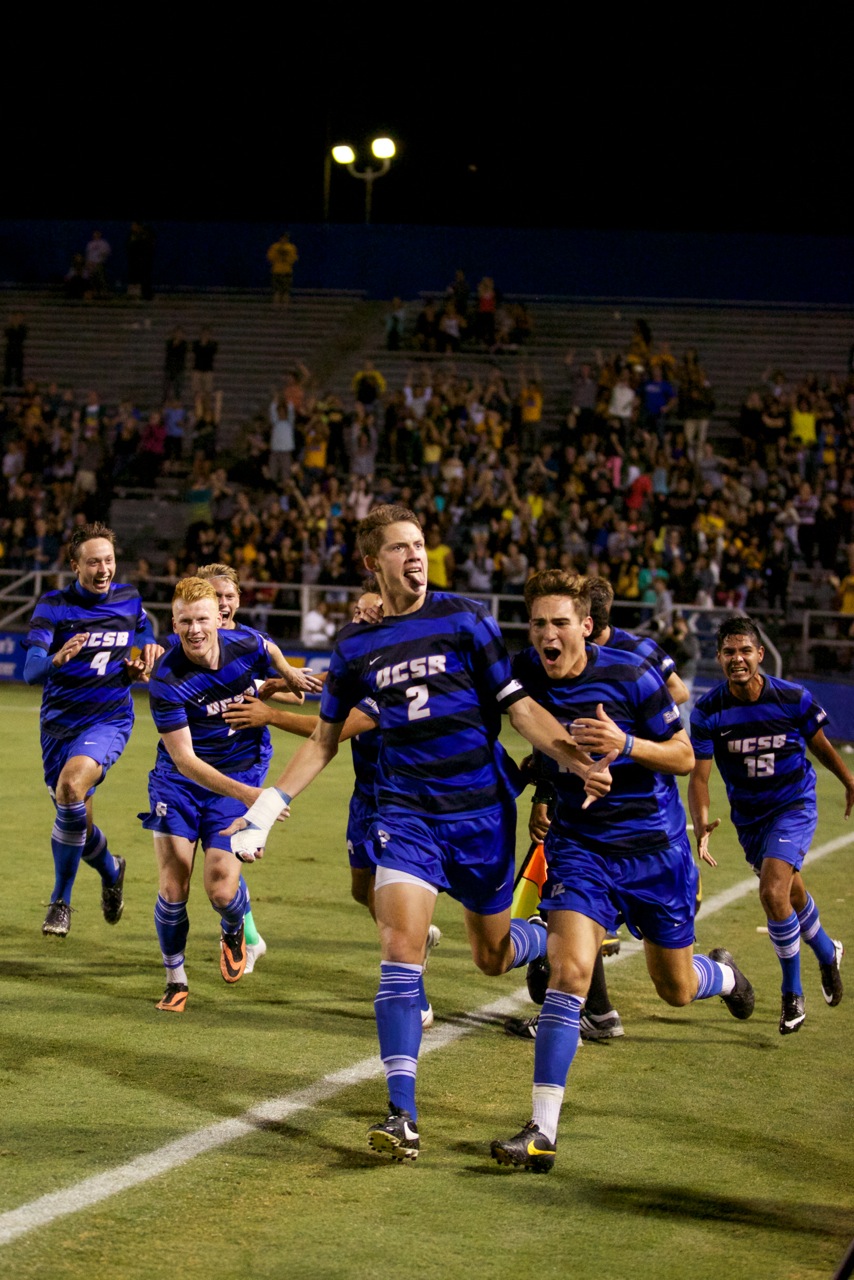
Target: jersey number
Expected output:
[418,709]
[99,662]
[760,766]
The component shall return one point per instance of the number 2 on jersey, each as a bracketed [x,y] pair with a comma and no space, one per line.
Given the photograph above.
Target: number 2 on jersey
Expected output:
[419,693]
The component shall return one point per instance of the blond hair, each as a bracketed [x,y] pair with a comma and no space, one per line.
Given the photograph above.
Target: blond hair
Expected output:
[192,590]
[208,571]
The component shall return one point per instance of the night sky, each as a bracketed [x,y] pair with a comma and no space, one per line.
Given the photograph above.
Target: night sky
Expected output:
[566,127]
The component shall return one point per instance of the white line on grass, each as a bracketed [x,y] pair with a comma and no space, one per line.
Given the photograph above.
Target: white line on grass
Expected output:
[41,1212]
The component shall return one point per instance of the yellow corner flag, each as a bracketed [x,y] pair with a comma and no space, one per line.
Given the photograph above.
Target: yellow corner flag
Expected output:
[528,888]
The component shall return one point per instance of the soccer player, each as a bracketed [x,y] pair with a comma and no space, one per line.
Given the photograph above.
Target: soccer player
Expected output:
[79,647]
[439,673]
[205,774]
[360,728]
[625,857]
[757,729]
[226,584]
[599,1020]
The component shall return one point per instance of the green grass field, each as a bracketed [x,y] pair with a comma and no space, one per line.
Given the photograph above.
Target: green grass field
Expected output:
[696,1148]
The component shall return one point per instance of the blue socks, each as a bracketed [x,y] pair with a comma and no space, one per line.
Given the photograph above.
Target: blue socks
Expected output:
[785,938]
[96,853]
[233,912]
[173,925]
[398,1010]
[554,1050]
[710,977]
[67,840]
[529,941]
[813,934]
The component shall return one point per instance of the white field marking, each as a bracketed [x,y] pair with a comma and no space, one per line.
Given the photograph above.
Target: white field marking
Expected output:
[59,1204]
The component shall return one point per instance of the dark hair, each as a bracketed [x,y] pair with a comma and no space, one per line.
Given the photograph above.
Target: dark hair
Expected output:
[601,599]
[370,531]
[557,582]
[737,627]
[85,533]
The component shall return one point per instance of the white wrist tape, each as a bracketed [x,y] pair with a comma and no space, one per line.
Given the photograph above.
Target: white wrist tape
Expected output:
[266,809]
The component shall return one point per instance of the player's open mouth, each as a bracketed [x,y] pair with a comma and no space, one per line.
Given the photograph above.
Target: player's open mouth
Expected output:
[551,653]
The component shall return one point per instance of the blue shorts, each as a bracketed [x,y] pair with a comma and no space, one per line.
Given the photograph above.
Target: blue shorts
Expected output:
[180,807]
[655,895]
[471,858]
[103,743]
[786,836]
[359,839]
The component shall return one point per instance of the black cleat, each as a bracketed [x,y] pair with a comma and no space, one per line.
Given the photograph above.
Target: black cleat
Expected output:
[792,1013]
[524,1028]
[539,972]
[831,982]
[112,896]
[396,1136]
[529,1149]
[600,1026]
[57,922]
[742,998]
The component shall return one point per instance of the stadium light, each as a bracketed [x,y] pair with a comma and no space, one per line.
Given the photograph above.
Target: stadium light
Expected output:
[383,149]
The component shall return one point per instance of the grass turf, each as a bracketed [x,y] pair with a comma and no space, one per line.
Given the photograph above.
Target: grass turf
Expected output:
[695,1147]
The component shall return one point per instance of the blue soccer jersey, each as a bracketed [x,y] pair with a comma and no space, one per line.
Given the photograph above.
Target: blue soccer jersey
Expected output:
[92,687]
[644,647]
[440,678]
[184,694]
[760,747]
[642,812]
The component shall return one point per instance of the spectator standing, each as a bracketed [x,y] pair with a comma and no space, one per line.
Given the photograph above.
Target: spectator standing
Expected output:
[13,360]
[175,364]
[696,402]
[282,417]
[395,325]
[282,256]
[368,384]
[204,357]
[97,253]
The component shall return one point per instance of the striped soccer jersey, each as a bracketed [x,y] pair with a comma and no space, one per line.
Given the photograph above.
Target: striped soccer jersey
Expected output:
[440,678]
[186,694]
[92,687]
[642,812]
[760,747]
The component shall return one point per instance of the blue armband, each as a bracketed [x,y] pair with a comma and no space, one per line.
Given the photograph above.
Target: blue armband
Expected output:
[284,795]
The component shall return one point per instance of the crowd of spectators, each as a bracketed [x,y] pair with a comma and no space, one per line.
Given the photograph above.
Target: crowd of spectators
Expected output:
[627,484]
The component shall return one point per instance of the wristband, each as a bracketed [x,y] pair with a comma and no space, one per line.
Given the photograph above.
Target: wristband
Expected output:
[629,746]
[286,798]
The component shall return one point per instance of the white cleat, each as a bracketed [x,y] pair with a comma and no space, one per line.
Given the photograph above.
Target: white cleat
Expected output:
[254,953]
[427,1018]
[434,937]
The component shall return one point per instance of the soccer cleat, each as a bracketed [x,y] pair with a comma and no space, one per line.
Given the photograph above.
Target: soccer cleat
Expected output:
[831,982]
[792,1014]
[57,922]
[524,1028]
[600,1026]
[232,955]
[611,944]
[427,1018]
[112,896]
[396,1136]
[254,951]
[539,971]
[529,1149]
[742,998]
[174,998]
[434,937]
